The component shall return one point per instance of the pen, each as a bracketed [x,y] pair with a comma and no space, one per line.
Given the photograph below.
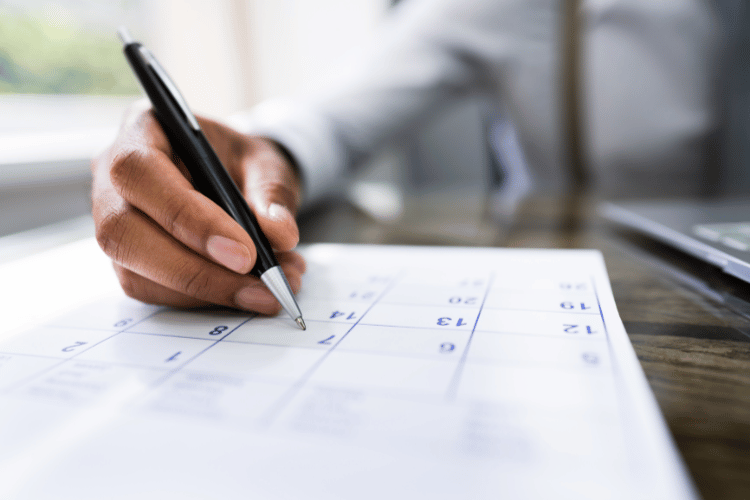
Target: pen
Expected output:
[209,175]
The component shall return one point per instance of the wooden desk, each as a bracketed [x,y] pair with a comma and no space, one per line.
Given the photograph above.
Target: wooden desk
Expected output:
[689,322]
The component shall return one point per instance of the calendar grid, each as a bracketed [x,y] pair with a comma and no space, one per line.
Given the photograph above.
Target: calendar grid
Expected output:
[28,379]
[276,409]
[452,391]
[177,369]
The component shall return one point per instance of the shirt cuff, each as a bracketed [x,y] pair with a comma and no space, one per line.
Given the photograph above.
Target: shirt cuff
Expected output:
[309,137]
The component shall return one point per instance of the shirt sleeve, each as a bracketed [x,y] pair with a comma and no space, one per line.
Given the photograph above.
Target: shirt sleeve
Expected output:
[426,55]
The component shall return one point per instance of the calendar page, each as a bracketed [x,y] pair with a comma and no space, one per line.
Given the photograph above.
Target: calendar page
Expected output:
[423,373]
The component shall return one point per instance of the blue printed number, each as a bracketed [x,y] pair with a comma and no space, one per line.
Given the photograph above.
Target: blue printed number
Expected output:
[469,301]
[362,296]
[591,358]
[449,322]
[573,286]
[72,347]
[470,282]
[173,357]
[123,322]
[577,329]
[571,305]
[339,314]
[447,347]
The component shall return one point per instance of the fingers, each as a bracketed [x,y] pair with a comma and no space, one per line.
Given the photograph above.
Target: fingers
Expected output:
[143,289]
[170,244]
[273,191]
[149,181]
[135,243]
[139,168]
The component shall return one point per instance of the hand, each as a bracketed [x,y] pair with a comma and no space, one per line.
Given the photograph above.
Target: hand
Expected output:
[170,244]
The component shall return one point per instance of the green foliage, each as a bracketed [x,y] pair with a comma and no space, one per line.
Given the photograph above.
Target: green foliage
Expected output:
[39,57]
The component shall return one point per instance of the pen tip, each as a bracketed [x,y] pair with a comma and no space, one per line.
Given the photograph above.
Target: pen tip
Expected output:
[301,323]
[124,34]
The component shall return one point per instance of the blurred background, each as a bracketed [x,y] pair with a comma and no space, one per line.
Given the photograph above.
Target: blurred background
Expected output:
[64,85]
[64,82]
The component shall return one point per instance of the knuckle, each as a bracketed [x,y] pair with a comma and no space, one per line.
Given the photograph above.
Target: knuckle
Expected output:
[111,234]
[197,282]
[177,215]
[126,170]
[129,285]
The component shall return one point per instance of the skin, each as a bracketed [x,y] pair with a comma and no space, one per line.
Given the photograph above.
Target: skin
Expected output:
[171,245]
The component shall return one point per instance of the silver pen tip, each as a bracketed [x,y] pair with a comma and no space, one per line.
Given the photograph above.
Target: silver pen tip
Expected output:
[301,323]
[125,35]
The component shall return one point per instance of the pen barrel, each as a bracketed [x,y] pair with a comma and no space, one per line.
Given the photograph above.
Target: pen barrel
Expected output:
[218,186]
[208,174]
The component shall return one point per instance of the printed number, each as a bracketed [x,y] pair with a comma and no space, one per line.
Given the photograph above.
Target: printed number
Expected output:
[447,322]
[469,282]
[573,286]
[339,314]
[576,329]
[327,341]
[123,322]
[218,330]
[447,347]
[591,358]
[570,305]
[469,301]
[71,347]
[173,357]
[362,296]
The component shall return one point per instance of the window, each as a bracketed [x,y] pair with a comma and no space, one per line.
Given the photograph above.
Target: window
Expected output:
[66,47]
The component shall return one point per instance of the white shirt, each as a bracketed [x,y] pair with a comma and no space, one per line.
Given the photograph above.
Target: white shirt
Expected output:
[649,94]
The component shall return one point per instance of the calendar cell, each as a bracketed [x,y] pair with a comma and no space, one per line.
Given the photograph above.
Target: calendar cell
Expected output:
[335,311]
[542,301]
[257,361]
[444,318]
[531,281]
[53,342]
[155,351]
[438,344]
[15,368]
[208,325]
[214,396]
[107,315]
[535,387]
[320,278]
[373,419]
[530,350]
[467,281]
[580,326]
[421,295]
[283,332]
[385,373]
[343,291]
[81,382]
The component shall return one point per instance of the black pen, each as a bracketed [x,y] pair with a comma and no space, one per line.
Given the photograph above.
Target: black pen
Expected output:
[209,175]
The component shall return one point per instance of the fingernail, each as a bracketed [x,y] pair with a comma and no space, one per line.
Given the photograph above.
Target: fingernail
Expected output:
[277,212]
[254,297]
[228,253]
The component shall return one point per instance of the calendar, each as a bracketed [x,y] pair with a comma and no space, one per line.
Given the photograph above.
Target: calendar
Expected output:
[424,372]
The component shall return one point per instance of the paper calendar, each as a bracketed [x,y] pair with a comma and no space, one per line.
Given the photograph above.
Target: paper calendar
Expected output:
[424,373]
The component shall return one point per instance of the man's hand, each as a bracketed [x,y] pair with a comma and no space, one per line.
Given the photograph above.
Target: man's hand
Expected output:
[170,244]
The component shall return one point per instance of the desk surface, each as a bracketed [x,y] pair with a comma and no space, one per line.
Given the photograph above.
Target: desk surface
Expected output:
[689,322]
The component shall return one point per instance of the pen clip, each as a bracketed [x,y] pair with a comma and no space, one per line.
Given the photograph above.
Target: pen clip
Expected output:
[179,100]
